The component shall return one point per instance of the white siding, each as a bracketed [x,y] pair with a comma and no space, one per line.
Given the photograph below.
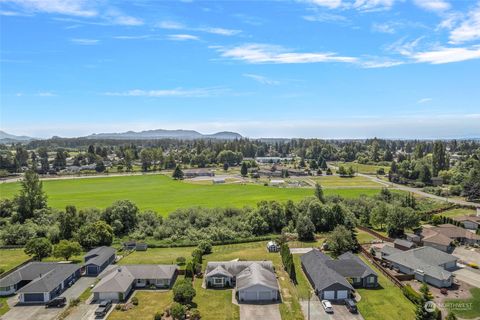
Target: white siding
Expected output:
[108,296]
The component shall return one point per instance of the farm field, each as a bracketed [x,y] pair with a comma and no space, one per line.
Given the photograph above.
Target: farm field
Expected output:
[11,258]
[337,181]
[457,212]
[362,168]
[164,195]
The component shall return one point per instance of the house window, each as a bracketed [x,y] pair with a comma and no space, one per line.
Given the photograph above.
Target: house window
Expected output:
[4,288]
[218,280]
[370,280]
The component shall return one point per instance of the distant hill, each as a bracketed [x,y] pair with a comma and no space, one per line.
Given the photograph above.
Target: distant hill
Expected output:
[10,138]
[165,134]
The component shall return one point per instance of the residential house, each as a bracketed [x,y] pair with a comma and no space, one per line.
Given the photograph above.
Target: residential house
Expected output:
[39,282]
[202,172]
[459,234]
[119,282]
[426,264]
[96,260]
[336,279]
[471,222]
[254,281]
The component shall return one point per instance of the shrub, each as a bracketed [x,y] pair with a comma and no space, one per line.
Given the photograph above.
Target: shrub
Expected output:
[118,307]
[181,261]
[135,301]
[183,291]
[205,246]
[74,302]
[158,316]
[194,314]
[178,311]
[2,270]
[411,294]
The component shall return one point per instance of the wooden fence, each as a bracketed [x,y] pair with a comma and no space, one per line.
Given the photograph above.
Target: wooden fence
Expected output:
[375,234]
[379,266]
[6,273]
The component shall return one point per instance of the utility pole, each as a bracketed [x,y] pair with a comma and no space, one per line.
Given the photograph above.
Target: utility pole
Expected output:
[309,294]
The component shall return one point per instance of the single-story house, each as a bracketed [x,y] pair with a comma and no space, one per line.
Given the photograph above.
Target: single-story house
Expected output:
[270,174]
[192,173]
[96,260]
[457,233]
[254,281]
[403,244]
[117,283]
[218,180]
[436,240]
[471,222]
[336,279]
[49,285]
[427,264]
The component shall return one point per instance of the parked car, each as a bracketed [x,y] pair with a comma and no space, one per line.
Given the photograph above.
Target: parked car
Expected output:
[327,306]
[57,302]
[103,308]
[351,306]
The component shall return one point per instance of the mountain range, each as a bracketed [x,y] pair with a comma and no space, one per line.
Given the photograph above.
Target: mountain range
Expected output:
[9,138]
[165,134]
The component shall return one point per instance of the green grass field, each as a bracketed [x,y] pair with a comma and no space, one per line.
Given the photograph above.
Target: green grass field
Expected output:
[10,258]
[149,303]
[337,181]
[3,306]
[157,256]
[362,168]
[164,195]
[386,303]
[468,308]
[457,212]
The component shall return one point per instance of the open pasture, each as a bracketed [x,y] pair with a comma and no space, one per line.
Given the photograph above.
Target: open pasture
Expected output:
[164,195]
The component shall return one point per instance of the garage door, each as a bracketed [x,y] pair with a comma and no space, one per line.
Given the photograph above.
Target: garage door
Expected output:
[329,295]
[92,270]
[250,295]
[342,294]
[265,295]
[108,296]
[33,297]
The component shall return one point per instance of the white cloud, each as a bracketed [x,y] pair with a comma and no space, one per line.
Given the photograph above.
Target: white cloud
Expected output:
[172,25]
[332,4]
[178,92]
[325,17]
[85,42]
[433,5]
[81,8]
[373,63]
[469,29]
[264,53]
[373,5]
[404,47]
[443,55]
[219,31]
[383,28]
[261,79]
[182,37]
[139,37]
[46,94]
[424,100]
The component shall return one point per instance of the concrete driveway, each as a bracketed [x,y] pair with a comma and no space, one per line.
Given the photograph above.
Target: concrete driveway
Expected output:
[470,276]
[467,255]
[340,312]
[260,311]
[39,312]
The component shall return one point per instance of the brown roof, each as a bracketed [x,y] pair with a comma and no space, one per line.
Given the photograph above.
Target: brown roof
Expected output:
[437,238]
[452,231]
[471,218]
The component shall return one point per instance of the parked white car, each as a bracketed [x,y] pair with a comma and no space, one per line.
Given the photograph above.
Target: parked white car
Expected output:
[327,306]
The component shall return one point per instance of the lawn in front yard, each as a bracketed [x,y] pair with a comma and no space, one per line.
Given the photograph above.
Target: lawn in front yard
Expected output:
[149,303]
[10,258]
[157,256]
[386,303]
[3,306]
[290,307]
[215,304]
[302,286]
[468,308]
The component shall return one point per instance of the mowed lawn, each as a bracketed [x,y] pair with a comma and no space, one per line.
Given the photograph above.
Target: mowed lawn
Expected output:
[149,303]
[467,308]
[157,256]
[337,181]
[10,258]
[164,195]
[457,212]
[385,303]
[362,168]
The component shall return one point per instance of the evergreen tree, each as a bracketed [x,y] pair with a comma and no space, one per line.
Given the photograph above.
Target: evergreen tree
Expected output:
[319,193]
[177,173]
[244,169]
[31,196]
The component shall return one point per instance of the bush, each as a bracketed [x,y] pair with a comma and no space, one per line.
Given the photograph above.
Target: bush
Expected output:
[183,291]
[74,302]
[158,316]
[181,261]
[411,294]
[194,314]
[205,246]
[178,311]
[135,301]
[118,307]
[2,270]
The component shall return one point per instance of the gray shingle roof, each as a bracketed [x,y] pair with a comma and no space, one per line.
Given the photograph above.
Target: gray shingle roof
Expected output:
[99,256]
[404,243]
[235,267]
[387,250]
[425,259]
[219,270]
[119,279]
[349,265]
[50,280]
[322,276]
[256,274]
[28,272]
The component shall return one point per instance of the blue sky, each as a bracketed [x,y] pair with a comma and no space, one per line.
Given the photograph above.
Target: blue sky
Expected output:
[312,68]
